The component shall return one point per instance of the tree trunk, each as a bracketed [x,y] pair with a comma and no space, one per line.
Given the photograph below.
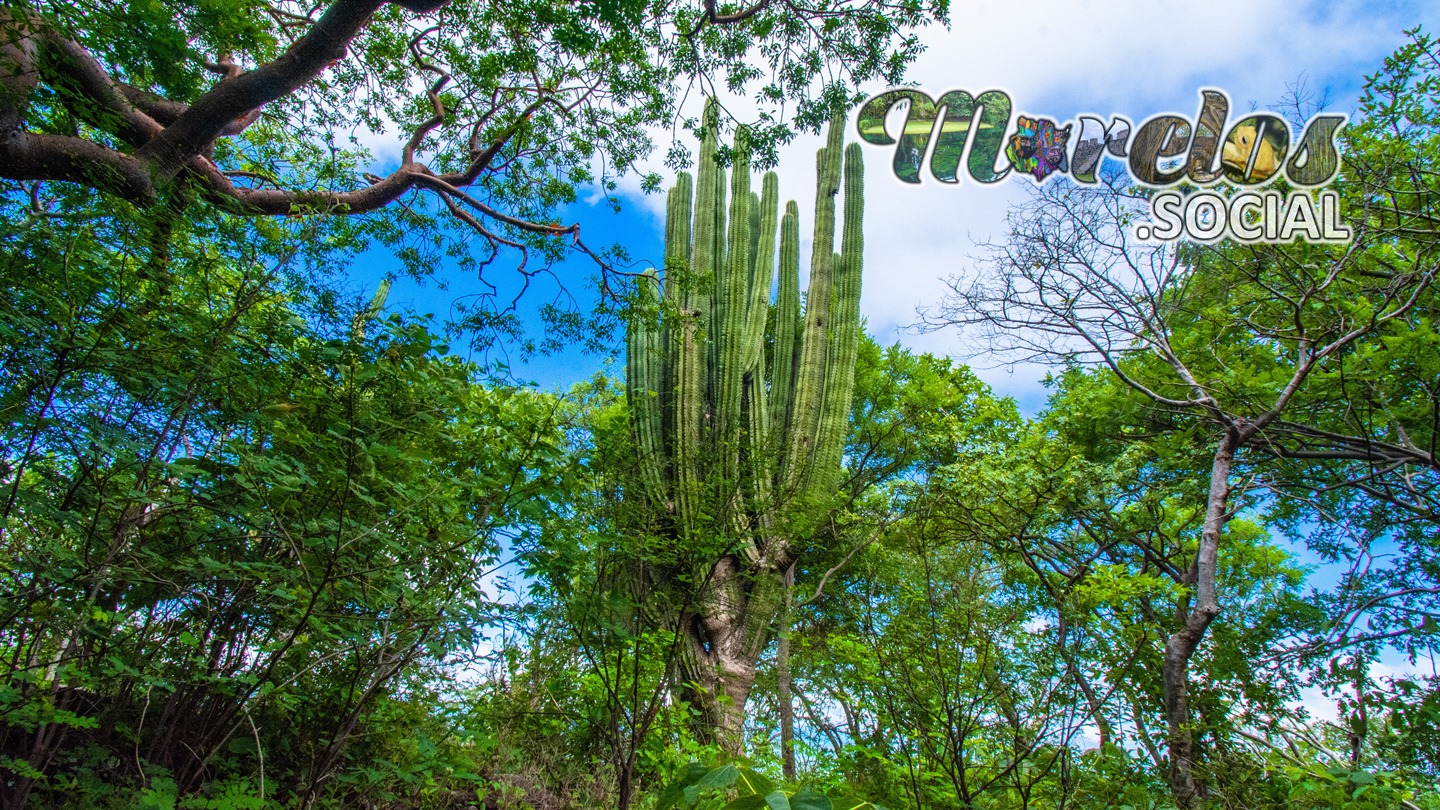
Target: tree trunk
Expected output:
[1182,644]
[722,648]
[782,689]
[625,778]
[718,685]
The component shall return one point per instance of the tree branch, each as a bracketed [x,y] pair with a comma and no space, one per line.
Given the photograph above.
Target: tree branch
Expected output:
[235,98]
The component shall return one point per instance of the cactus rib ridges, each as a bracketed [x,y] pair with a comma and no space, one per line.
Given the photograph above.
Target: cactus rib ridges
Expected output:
[731,297]
[845,324]
[677,270]
[643,381]
[810,375]
[762,274]
[724,433]
[787,327]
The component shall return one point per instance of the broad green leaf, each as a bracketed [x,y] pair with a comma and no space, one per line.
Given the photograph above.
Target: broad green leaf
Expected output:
[674,790]
[722,777]
[807,799]
[853,803]
[753,782]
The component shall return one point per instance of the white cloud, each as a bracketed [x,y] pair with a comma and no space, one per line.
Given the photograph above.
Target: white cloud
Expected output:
[1060,59]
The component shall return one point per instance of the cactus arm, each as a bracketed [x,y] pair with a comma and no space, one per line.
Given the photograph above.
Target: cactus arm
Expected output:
[761,455]
[689,384]
[762,274]
[756,440]
[787,327]
[732,288]
[844,329]
[755,208]
[677,272]
[643,381]
[691,377]
[810,375]
[718,265]
[703,261]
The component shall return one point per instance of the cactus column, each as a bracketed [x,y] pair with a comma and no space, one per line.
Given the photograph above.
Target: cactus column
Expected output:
[740,449]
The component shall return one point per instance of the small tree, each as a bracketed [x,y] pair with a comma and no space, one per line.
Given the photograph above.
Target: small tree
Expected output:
[1227,334]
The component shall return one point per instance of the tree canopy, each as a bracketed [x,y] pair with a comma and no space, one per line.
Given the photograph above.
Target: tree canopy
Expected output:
[501,108]
[268,542]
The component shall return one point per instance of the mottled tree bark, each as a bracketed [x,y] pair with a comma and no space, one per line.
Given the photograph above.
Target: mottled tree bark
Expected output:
[782,687]
[723,644]
[1181,645]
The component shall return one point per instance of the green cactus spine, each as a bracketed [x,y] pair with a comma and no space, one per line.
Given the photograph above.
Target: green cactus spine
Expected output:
[806,418]
[722,433]
[740,406]
[844,344]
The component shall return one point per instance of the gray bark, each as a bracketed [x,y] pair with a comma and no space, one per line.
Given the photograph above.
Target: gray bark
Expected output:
[722,647]
[1181,645]
[782,689]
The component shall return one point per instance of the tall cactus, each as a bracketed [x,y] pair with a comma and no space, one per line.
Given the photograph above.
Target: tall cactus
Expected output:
[705,398]
[733,443]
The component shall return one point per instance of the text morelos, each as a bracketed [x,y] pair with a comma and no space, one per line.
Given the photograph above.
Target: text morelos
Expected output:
[1164,151]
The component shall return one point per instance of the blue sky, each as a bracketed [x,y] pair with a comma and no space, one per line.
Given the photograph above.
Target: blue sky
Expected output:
[1056,59]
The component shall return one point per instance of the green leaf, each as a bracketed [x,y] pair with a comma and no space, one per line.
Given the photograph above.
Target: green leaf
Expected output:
[718,779]
[807,799]
[673,791]
[853,803]
[753,783]
[777,801]
[1362,778]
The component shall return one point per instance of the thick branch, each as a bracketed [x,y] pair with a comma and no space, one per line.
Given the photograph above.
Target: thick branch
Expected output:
[714,17]
[282,202]
[205,120]
[37,156]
